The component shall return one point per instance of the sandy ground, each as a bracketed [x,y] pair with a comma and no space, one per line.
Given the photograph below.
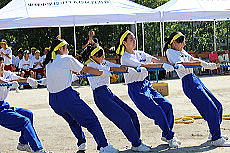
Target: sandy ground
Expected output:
[56,136]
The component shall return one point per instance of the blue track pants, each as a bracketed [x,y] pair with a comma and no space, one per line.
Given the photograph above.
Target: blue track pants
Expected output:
[124,117]
[77,113]
[153,105]
[205,102]
[20,120]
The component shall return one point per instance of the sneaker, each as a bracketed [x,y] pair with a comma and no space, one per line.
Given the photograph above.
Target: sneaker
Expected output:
[223,136]
[165,140]
[220,143]
[173,143]
[82,147]
[141,148]
[42,151]
[24,147]
[108,149]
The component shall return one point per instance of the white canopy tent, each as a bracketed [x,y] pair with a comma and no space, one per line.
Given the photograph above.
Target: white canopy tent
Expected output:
[193,10]
[54,13]
[201,10]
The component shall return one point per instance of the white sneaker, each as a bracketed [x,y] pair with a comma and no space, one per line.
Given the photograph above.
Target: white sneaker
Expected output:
[164,139]
[220,143]
[173,143]
[141,148]
[82,147]
[41,151]
[24,147]
[108,149]
[223,136]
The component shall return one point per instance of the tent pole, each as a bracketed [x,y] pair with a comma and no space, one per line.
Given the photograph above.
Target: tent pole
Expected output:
[161,33]
[143,36]
[59,30]
[214,28]
[163,37]
[136,34]
[75,40]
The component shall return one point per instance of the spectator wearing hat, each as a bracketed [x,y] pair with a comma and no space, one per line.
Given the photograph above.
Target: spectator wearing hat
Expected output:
[26,65]
[6,53]
[33,49]
[37,64]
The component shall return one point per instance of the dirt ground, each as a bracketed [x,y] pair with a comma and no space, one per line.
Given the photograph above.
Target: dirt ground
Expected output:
[56,136]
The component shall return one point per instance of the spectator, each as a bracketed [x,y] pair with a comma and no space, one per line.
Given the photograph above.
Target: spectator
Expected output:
[37,65]
[33,49]
[17,59]
[91,40]
[6,53]
[46,50]
[26,66]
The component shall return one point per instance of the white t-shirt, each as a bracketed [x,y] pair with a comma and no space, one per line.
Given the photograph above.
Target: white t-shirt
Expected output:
[16,61]
[23,64]
[226,58]
[7,76]
[35,61]
[43,57]
[135,60]
[99,81]
[31,56]
[8,51]
[175,56]
[59,72]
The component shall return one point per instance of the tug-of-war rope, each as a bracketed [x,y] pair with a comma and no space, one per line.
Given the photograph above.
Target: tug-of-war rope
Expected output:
[92,75]
[185,119]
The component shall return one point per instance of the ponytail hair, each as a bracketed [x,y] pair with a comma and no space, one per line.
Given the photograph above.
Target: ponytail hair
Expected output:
[48,58]
[177,36]
[119,47]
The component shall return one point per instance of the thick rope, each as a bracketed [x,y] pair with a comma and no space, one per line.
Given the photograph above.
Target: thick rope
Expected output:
[191,119]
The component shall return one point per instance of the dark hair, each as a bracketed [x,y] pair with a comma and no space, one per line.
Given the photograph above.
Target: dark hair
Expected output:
[125,39]
[1,59]
[168,40]
[90,48]
[48,59]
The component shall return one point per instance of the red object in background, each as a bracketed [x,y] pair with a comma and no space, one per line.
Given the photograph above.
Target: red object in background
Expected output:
[213,57]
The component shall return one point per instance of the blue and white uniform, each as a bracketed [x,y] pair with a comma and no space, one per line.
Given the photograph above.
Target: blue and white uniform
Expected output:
[67,103]
[17,119]
[205,102]
[124,117]
[148,100]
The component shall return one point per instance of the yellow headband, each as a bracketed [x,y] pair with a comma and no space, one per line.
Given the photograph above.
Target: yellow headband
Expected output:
[3,42]
[93,52]
[63,43]
[175,38]
[121,49]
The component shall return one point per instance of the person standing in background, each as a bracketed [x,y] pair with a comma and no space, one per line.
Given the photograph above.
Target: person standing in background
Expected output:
[6,53]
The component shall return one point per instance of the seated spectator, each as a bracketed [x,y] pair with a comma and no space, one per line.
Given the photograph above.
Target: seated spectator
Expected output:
[37,65]
[26,66]
[226,57]
[6,53]
[17,59]
[33,49]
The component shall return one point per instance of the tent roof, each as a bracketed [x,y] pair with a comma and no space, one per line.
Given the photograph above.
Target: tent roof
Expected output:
[185,10]
[49,13]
